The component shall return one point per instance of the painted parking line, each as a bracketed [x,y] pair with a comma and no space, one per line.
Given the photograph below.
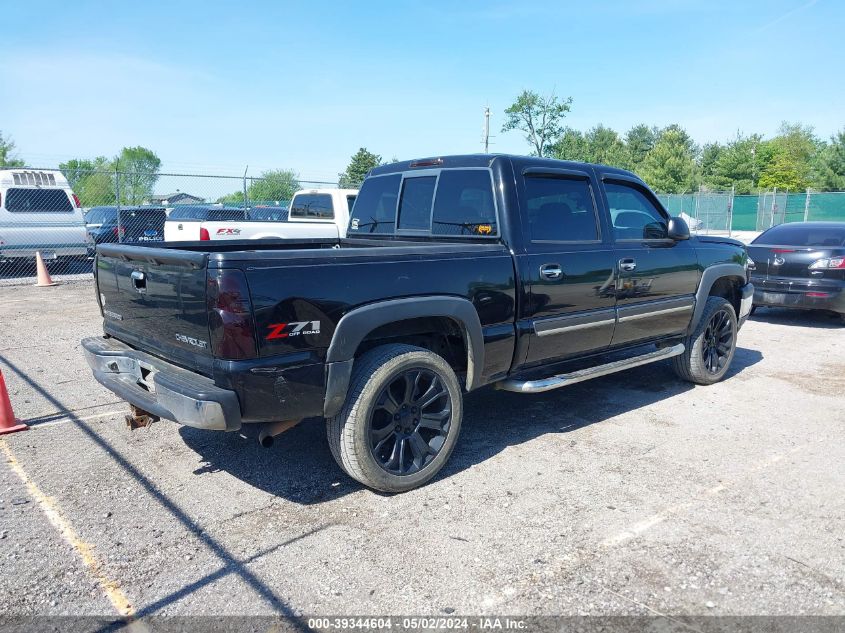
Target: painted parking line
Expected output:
[655,519]
[73,418]
[54,514]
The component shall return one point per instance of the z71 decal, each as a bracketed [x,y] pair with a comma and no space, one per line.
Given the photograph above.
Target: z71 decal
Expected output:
[294,328]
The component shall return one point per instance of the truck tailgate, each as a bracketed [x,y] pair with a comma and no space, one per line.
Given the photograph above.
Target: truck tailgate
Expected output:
[155,299]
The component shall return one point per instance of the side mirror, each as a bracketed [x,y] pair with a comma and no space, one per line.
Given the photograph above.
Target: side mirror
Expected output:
[678,229]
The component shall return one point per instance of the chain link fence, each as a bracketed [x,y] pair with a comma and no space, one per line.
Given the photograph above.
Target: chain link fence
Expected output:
[63,215]
[705,212]
[725,213]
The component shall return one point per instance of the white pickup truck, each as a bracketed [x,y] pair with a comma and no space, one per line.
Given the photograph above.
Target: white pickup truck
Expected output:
[318,213]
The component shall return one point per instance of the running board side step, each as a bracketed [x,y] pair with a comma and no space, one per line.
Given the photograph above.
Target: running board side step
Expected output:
[563,380]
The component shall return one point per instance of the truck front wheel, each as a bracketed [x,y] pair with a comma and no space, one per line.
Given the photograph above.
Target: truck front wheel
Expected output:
[710,348]
[401,418]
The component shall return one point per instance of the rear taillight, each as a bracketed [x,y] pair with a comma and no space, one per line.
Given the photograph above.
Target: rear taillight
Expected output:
[76,200]
[115,231]
[827,263]
[204,236]
[230,315]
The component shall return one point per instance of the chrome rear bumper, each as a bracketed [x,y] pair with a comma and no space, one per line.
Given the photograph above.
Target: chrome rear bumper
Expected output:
[161,388]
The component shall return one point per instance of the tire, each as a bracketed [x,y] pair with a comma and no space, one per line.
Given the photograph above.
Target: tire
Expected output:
[373,437]
[708,354]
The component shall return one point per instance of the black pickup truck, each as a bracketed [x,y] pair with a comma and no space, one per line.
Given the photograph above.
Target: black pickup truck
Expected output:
[458,272]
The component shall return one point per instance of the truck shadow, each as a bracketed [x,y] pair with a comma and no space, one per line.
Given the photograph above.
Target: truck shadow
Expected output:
[806,318]
[299,467]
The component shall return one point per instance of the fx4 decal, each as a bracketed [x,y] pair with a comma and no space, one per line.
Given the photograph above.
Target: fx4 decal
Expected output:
[225,231]
[294,328]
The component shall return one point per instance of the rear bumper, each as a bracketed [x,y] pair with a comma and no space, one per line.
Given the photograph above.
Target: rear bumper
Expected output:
[803,296]
[162,389]
[48,251]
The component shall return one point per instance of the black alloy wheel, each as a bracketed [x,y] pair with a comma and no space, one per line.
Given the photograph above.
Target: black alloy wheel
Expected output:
[410,422]
[718,342]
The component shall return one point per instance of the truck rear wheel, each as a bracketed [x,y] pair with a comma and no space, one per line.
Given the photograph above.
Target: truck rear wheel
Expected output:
[401,418]
[710,348]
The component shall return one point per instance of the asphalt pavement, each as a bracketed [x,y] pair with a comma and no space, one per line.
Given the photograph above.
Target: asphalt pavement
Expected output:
[633,494]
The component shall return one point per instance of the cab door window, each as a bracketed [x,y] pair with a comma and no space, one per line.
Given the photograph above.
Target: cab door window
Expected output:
[633,215]
[560,210]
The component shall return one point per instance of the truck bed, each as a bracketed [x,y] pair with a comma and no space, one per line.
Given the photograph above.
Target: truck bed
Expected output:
[165,309]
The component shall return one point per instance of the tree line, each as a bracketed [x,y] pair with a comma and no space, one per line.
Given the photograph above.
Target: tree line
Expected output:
[670,161]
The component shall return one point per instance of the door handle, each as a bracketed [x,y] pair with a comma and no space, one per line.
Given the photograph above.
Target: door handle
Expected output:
[627,265]
[139,281]
[552,272]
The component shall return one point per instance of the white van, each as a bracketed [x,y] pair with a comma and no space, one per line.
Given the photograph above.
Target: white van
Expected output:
[39,212]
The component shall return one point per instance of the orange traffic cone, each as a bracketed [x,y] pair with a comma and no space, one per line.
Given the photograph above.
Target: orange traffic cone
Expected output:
[43,275]
[8,423]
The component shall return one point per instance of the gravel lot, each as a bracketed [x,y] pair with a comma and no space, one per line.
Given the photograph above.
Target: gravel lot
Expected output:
[630,494]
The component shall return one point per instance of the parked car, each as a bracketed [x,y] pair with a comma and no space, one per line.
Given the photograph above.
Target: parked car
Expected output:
[525,273]
[132,224]
[313,213]
[800,265]
[39,212]
[101,227]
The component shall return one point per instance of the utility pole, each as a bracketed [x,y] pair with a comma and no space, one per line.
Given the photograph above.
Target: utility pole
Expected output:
[487,129]
[246,198]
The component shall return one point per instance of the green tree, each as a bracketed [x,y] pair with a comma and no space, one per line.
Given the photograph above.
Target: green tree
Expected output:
[605,147]
[783,173]
[830,164]
[362,162]
[738,164]
[709,157]
[670,166]
[640,140]
[274,186]
[138,167]
[792,154]
[7,153]
[91,180]
[539,118]
[571,145]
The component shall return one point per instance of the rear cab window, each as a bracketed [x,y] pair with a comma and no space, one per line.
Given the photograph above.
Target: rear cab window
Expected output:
[312,206]
[446,202]
[19,200]
[188,213]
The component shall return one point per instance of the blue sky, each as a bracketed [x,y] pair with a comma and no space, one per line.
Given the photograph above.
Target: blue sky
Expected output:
[213,86]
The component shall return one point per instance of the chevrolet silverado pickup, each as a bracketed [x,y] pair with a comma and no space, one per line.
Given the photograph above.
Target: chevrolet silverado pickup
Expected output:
[526,274]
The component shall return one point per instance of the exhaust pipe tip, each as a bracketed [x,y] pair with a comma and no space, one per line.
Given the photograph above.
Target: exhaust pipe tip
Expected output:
[270,429]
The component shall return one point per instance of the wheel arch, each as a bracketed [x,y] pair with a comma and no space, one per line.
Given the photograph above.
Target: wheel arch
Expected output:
[721,280]
[355,326]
